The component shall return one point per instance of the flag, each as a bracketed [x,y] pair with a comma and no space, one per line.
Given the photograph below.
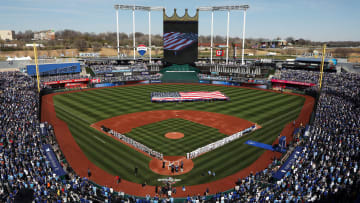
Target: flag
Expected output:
[175,41]
[202,95]
[189,96]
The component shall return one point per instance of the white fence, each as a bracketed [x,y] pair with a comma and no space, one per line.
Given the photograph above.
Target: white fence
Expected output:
[189,155]
[219,143]
[137,145]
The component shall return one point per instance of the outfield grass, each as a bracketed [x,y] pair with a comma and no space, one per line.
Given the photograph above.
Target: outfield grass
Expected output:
[79,110]
[195,136]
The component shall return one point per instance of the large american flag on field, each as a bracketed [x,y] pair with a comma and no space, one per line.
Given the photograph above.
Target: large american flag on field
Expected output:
[175,41]
[188,96]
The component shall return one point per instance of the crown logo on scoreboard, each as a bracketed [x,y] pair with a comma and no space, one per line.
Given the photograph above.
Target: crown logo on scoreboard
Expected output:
[185,17]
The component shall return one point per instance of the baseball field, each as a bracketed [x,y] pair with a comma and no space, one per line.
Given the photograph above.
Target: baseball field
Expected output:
[79,110]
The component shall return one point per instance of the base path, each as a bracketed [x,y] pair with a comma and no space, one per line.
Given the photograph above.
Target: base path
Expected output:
[80,163]
[174,135]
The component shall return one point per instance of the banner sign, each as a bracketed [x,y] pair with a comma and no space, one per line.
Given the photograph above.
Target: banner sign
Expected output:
[121,71]
[260,145]
[75,85]
[293,82]
[219,52]
[89,54]
[288,163]
[95,80]
[71,81]
[141,49]
[54,163]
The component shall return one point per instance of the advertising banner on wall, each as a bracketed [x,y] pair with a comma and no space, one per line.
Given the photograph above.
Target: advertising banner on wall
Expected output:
[219,52]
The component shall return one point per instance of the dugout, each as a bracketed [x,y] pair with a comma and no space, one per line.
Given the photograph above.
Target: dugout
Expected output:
[286,84]
[73,83]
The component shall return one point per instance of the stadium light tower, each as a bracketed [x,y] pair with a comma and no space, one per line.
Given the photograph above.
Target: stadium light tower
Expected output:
[133,8]
[228,9]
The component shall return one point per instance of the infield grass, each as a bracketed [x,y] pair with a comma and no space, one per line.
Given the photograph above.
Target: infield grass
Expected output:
[79,110]
[195,136]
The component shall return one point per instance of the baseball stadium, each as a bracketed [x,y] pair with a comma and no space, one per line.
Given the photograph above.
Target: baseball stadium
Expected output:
[180,128]
[128,110]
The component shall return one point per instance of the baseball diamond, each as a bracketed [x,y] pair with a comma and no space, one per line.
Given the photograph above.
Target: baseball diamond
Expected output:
[107,157]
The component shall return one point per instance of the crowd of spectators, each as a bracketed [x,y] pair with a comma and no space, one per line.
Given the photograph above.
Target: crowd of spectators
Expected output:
[24,170]
[102,68]
[110,68]
[297,75]
[105,79]
[215,77]
[327,168]
[49,78]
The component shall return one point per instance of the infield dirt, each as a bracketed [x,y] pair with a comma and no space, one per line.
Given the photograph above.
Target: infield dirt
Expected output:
[174,135]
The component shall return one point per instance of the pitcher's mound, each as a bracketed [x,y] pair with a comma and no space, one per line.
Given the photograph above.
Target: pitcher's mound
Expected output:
[174,135]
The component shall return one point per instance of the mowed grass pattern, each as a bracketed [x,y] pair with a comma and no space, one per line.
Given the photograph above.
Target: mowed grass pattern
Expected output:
[195,136]
[270,110]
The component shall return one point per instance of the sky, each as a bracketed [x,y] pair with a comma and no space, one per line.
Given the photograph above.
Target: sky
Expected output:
[317,20]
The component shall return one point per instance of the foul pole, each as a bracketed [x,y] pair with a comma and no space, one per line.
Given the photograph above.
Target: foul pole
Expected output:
[322,66]
[37,68]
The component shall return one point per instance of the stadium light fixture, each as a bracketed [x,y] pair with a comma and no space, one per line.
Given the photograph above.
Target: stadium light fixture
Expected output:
[228,9]
[134,8]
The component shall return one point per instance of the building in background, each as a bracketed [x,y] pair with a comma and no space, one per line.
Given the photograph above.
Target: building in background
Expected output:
[7,35]
[44,35]
[276,43]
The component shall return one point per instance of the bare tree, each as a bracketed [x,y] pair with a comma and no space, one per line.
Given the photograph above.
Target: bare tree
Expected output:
[81,45]
[96,46]
[290,39]
[343,52]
